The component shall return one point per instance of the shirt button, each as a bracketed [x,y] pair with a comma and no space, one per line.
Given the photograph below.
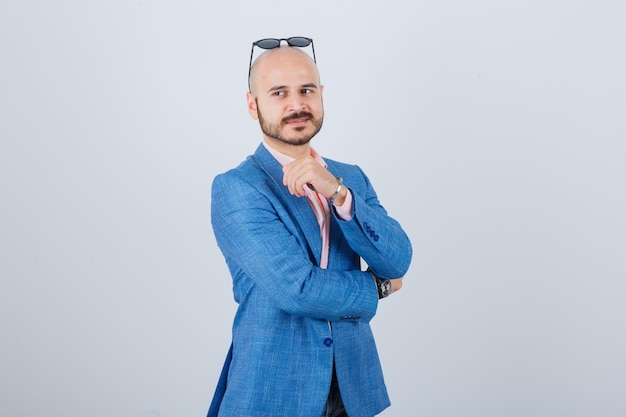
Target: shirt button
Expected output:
[328,341]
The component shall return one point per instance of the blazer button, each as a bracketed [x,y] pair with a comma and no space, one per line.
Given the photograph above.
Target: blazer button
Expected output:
[328,341]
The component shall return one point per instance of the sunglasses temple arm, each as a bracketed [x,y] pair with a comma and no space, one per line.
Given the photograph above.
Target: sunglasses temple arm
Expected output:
[250,66]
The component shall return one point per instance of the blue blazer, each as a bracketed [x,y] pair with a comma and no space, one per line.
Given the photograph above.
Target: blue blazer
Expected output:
[294,318]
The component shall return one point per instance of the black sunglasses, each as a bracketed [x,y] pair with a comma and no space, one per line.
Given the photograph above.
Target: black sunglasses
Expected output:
[272,43]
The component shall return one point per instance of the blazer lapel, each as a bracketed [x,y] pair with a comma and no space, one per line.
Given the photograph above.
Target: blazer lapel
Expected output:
[299,207]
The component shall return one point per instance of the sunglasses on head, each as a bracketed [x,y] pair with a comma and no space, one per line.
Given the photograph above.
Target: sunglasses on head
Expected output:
[272,43]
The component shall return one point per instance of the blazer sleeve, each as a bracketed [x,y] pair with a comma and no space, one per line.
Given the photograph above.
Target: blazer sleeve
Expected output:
[372,233]
[263,247]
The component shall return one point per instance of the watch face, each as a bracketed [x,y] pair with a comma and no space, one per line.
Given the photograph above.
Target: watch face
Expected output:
[386,287]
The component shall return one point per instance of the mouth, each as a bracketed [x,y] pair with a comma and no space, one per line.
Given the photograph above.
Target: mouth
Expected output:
[298,119]
[298,122]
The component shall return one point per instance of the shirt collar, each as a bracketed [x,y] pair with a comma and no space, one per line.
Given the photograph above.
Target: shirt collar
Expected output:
[284,159]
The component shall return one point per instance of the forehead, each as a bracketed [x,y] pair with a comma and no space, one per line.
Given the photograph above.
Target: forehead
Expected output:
[284,66]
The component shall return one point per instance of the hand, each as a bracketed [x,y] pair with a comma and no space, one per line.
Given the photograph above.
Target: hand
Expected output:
[307,171]
[396,284]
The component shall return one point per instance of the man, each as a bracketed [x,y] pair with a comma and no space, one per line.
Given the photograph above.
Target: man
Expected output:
[293,228]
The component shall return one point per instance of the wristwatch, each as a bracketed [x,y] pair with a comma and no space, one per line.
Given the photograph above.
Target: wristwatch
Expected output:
[384,287]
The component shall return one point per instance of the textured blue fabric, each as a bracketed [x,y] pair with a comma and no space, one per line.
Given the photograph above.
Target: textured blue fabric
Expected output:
[214,408]
[283,347]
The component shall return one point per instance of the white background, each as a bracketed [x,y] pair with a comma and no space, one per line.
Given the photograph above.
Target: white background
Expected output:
[494,131]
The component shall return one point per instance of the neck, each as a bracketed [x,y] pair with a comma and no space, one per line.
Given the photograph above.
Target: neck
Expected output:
[294,151]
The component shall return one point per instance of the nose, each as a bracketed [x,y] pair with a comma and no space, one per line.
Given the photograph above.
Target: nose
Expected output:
[297,103]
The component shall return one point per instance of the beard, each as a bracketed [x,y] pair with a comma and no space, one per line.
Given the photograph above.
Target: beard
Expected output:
[300,137]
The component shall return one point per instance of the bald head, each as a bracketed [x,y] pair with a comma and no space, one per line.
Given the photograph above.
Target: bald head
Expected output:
[283,63]
[286,98]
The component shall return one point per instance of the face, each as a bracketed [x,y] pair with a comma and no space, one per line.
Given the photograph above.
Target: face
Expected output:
[286,96]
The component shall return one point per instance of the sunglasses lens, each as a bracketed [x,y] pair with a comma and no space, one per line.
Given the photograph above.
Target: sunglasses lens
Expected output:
[268,43]
[298,41]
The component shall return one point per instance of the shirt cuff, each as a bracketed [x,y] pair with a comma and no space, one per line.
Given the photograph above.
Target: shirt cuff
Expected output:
[345,211]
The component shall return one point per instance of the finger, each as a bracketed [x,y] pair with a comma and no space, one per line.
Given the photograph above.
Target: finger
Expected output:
[295,183]
[296,176]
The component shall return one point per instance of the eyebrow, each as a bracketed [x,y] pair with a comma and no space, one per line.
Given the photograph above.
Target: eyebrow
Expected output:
[282,87]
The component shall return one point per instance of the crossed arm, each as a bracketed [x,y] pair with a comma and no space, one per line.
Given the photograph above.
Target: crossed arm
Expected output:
[263,247]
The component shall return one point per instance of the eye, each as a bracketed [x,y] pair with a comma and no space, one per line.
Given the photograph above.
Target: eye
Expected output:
[278,93]
[306,91]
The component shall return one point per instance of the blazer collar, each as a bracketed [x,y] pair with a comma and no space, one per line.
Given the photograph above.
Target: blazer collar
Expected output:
[302,213]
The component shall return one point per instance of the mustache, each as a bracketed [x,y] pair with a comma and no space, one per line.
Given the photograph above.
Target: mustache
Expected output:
[299,115]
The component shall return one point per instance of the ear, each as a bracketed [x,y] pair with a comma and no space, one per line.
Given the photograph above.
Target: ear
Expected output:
[252,109]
